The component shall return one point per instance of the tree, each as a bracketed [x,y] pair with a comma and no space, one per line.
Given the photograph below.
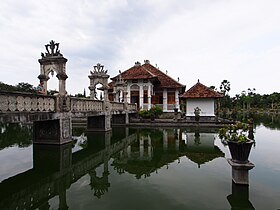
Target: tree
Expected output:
[225,86]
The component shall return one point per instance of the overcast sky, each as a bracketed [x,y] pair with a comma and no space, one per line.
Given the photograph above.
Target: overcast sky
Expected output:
[209,40]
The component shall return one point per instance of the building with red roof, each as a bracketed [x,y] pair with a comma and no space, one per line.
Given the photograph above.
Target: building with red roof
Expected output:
[202,97]
[146,86]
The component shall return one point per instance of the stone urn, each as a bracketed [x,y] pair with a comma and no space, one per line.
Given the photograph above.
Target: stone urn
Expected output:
[240,151]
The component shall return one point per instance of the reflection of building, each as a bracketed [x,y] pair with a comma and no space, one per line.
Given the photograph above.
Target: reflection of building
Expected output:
[203,97]
[157,148]
[146,85]
[200,147]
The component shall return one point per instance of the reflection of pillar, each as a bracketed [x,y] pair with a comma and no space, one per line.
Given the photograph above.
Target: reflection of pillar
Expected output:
[44,206]
[128,151]
[149,147]
[239,199]
[141,147]
[240,172]
[165,140]
[62,200]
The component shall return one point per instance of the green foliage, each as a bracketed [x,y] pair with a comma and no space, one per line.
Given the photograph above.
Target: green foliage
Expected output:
[15,134]
[237,133]
[154,112]
[20,87]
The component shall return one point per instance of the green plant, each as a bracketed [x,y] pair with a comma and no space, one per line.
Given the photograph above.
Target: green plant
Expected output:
[155,111]
[237,132]
[152,113]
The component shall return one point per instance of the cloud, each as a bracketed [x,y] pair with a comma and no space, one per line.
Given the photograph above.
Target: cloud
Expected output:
[206,40]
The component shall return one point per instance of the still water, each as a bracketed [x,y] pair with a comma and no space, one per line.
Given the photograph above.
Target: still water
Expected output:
[132,168]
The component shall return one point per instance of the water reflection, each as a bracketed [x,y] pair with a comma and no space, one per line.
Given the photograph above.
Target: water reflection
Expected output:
[15,134]
[239,198]
[156,148]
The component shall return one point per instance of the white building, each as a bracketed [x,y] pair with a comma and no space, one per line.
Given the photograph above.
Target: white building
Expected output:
[202,97]
[146,86]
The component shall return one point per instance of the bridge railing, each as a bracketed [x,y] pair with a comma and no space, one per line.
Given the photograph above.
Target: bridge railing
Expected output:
[21,102]
[84,105]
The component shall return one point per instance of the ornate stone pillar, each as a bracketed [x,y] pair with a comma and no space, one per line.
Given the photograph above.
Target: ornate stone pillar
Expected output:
[53,61]
[98,76]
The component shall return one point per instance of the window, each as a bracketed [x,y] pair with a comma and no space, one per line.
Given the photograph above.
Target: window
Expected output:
[145,96]
[171,98]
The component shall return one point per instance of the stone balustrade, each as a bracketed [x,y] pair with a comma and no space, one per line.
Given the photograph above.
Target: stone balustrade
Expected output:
[117,106]
[132,107]
[84,105]
[24,102]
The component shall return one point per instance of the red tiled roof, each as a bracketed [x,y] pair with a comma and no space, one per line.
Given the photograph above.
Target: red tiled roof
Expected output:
[148,71]
[201,91]
[135,72]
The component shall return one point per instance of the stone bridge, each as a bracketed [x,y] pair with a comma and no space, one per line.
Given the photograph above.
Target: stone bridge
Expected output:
[52,115]
[50,180]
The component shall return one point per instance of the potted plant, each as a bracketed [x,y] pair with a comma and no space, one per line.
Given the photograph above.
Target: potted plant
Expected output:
[236,136]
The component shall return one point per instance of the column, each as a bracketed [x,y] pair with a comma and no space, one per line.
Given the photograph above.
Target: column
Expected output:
[149,97]
[141,93]
[177,100]
[164,100]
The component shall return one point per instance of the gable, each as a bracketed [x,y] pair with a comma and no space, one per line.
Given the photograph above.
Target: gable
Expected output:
[201,91]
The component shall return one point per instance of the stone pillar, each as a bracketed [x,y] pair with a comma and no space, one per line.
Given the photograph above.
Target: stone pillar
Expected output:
[53,61]
[164,100]
[62,83]
[240,172]
[56,131]
[99,123]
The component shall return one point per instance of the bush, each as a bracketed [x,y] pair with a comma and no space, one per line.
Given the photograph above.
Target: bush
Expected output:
[153,113]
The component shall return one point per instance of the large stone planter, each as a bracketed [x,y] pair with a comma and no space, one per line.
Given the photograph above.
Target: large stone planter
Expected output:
[240,151]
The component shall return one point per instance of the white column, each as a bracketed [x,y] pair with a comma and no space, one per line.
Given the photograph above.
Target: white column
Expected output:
[177,99]
[149,97]
[164,100]
[141,92]
[128,94]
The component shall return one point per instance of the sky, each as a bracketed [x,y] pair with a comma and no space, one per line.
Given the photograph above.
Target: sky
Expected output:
[209,40]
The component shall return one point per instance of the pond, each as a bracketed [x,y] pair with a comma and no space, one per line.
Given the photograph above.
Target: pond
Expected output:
[130,168]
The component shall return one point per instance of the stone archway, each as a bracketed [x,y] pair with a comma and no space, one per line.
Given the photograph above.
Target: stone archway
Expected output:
[98,76]
[53,61]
